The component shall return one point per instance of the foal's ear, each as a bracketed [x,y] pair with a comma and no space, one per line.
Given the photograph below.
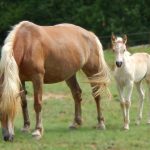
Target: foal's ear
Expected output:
[125,39]
[113,38]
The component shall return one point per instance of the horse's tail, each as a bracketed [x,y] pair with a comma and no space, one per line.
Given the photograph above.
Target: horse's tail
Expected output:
[102,78]
[9,76]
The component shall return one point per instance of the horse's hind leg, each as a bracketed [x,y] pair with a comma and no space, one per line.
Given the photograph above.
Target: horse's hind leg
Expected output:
[148,84]
[90,72]
[141,101]
[25,109]
[97,98]
[76,93]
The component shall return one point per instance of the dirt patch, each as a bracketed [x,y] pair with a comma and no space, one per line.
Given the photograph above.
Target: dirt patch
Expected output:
[48,96]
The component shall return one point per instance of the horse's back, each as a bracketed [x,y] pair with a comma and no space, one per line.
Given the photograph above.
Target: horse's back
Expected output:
[57,51]
[142,65]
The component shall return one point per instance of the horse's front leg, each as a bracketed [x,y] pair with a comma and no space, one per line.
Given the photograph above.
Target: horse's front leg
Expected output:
[128,90]
[122,101]
[76,93]
[37,85]
[26,126]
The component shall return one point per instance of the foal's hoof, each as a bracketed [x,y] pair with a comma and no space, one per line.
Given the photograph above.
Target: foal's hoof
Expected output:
[126,127]
[101,126]
[148,122]
[74,126]
[37,134]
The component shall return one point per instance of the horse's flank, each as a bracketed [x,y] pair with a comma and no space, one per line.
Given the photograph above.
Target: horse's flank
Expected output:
[64,45]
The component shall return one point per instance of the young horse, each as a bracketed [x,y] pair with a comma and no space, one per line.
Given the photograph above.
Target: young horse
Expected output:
[48,54]
[130,69]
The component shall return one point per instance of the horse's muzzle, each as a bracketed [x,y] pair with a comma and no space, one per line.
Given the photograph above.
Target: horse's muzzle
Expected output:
[118,63]
[9,138]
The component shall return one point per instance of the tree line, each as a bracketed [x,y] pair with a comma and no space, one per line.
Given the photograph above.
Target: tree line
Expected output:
[100,16]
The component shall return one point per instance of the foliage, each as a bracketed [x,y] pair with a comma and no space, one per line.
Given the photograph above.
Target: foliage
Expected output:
[100,16]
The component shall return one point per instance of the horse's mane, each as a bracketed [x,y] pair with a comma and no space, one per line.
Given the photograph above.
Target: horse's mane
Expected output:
[10,75]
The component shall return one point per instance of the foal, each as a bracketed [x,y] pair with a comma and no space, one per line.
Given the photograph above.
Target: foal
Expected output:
[130,69]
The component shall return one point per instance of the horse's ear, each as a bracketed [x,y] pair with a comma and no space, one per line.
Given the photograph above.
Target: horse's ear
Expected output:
[125,39]
[113,38]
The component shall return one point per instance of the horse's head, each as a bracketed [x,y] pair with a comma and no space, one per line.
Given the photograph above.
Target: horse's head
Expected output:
[119,47]
[7,115]
[7,128]
[6,119]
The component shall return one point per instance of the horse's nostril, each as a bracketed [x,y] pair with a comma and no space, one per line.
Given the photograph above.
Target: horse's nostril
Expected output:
[6,138]
[118,63]
[9,138]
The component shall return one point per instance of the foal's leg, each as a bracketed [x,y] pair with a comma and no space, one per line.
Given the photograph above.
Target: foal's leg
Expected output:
[37,85]
[122,101]
[25,109]
[76,93]
[129,88]
[141,101]
[148,84]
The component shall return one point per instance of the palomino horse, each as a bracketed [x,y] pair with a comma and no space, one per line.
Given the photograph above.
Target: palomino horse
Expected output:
[130,69]
[48,54]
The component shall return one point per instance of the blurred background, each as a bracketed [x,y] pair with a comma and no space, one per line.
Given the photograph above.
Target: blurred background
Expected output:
[131,17]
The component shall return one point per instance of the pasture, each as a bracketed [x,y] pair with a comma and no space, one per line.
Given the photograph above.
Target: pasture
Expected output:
[58,111]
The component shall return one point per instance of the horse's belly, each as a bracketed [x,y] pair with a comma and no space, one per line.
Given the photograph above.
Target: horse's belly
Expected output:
[62,66]
[60,72]
[140,73]
[55,77]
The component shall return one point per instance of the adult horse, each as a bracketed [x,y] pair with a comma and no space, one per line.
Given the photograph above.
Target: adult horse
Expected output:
[47,54]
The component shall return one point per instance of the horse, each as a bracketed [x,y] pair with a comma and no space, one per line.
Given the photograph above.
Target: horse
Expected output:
[46,55]
[130,70]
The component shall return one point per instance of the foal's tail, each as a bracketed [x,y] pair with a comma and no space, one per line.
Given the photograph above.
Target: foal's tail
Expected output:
[9,77]
[102,78]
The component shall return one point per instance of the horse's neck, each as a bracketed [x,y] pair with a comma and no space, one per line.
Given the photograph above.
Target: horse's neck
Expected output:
[127,54]
[127,57]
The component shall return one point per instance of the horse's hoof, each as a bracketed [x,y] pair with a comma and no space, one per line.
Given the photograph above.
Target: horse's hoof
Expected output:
[37,134]
[25,129]
[101,126]
[74,126]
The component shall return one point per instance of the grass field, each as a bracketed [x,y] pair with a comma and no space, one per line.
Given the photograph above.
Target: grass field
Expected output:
[58,111]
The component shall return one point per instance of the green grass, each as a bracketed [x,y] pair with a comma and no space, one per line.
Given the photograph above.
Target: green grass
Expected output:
[58,114]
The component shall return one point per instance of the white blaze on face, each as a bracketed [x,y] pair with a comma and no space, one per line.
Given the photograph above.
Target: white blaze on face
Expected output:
[119,49]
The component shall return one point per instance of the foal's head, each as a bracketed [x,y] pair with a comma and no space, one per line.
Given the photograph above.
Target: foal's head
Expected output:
[119,47]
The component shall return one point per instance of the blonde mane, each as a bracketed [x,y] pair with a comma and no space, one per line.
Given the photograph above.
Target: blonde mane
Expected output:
[9,75]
